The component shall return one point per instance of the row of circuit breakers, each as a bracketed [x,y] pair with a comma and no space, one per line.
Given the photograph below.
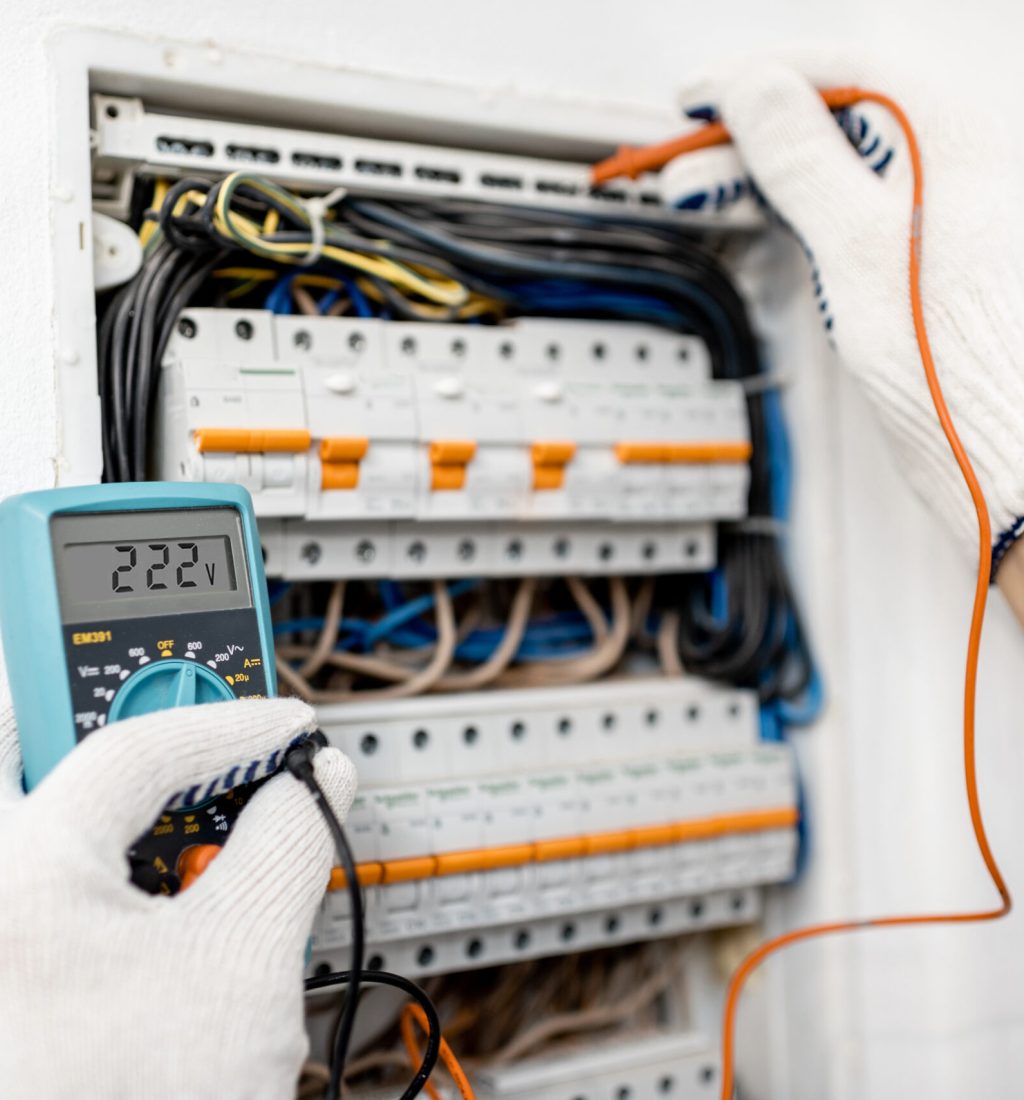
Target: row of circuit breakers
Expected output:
[497,826]
[607,447]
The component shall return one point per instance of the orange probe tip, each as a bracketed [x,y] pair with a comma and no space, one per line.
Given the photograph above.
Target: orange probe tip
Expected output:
[623,162]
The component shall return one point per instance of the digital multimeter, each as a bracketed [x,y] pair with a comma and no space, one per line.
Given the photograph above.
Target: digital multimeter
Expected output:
[120,600]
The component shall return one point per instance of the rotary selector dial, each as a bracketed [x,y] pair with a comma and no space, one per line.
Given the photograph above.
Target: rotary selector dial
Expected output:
[168,683]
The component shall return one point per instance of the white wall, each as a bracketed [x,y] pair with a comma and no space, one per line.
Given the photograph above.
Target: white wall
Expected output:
[940,1012]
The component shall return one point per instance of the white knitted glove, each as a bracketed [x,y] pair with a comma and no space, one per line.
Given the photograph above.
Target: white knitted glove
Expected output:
[847,196]
[107,992]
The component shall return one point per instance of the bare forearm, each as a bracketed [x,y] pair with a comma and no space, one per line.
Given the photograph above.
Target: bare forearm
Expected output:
[1010,579]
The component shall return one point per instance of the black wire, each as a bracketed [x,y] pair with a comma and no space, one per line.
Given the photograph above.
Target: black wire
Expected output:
[299,761]
[415,993]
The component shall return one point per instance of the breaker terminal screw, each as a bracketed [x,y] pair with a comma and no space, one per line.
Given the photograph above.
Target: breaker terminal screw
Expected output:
[311,553]
[187,327]
[243,330]
[366,551]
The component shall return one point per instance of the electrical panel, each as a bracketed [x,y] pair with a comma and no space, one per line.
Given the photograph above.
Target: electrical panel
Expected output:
[626,470]
[490,827]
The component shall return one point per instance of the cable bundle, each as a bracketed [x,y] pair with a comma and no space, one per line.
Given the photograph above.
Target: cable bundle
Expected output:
[453,260]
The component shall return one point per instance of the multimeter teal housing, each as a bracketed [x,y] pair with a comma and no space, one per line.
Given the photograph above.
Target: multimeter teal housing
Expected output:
[119,600]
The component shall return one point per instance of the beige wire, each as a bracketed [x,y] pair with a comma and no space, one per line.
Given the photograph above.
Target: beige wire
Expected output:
[305,301]
[377,1059]
[589,606]
[641,607]
[364,664]
[504,654]
[601,658]
[615,1011]
[410,681]
[313,1079]
[328,634]
[668,649]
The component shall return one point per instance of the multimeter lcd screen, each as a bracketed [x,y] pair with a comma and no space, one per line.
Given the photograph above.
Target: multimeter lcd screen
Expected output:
[126,564]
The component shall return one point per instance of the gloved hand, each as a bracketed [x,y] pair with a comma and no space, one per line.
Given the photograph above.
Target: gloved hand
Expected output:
[107,992]
[847,196]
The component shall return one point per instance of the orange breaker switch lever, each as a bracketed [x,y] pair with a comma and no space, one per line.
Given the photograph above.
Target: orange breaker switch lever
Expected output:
[339,461]
[448,462]
[549,463]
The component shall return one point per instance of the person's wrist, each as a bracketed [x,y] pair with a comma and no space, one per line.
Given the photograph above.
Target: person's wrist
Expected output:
[1010,578]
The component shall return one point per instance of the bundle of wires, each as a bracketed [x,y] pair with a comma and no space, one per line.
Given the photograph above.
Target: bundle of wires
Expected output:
[452,260]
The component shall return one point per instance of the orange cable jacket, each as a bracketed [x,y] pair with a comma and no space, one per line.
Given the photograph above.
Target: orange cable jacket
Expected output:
[411,1014]
[633,161]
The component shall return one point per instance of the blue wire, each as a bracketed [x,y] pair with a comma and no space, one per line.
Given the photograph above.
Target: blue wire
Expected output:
[412,610]
[780,715]
[327,301]
[277,590]
[279,300]
[360,303]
